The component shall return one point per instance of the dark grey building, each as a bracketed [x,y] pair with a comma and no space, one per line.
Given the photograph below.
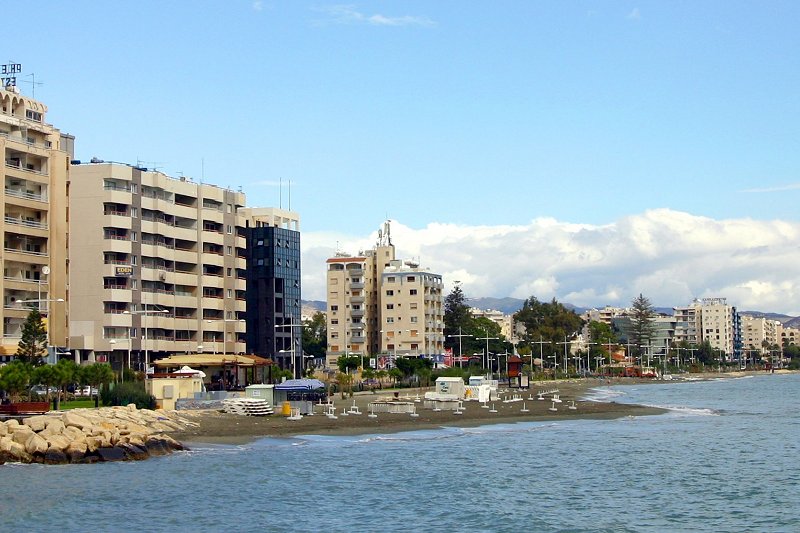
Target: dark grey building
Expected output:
[274,327]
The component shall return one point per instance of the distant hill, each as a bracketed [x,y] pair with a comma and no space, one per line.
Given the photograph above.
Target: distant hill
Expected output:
[509,306]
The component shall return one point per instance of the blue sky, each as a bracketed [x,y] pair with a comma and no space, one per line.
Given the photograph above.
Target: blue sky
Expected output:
[471,114]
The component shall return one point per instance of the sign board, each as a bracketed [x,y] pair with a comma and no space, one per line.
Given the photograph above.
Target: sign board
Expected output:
[126,271]
[9,73]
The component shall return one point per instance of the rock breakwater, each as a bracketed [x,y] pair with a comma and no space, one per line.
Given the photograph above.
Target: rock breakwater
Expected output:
[91,435]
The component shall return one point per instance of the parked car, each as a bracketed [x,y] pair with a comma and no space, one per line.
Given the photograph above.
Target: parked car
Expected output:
[86,391]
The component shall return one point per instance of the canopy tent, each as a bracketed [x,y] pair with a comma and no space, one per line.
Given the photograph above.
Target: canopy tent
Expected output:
[300,385]
[186,369]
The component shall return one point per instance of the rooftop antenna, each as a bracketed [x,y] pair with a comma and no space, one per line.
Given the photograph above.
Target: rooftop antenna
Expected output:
[33,83]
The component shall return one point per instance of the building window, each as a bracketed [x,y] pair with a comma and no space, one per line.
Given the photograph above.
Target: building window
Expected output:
[230,230]
[230,293]
[413,292]
[334,322]
[390,279]
[260,242]
[229,250]
[389,306]
[413,320]
[411,279]
[260,262]
[389,293]
[389,320]
[413,305]
[334,308]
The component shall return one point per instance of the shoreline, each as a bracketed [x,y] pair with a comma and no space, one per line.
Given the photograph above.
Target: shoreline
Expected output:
[216,427]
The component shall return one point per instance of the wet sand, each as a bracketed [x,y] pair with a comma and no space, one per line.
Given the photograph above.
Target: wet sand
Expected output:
[220,427]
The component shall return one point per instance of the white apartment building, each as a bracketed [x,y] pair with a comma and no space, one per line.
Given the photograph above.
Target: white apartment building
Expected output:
[506,322]
[34,222]
[157,265]
[717,323]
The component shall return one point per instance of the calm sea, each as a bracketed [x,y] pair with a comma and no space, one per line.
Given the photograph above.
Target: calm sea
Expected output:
[724,458]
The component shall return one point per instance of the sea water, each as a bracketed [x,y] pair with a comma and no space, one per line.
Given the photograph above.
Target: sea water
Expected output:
[723,458]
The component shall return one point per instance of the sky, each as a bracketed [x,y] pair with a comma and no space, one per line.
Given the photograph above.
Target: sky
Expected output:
[586,150]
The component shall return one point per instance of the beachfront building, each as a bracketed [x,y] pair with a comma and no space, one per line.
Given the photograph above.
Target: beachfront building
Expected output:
[34,222]
[687,324]
[157,265]
[790,336]
[506,322]
[760,334]
[382,308]
[273,287]
[720,325]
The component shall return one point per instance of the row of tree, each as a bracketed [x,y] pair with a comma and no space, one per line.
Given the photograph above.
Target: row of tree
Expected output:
[17,377]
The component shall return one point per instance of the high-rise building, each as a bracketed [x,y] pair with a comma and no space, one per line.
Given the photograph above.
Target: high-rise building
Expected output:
[274,309]
[157,265]
[382,308]
[34,222]
[720,326]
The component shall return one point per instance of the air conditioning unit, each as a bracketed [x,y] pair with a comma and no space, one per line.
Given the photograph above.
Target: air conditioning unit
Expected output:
[162,275]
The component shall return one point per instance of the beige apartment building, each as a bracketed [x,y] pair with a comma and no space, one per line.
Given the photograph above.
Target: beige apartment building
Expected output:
[758,331]
[382,308]
[157,265]
[34,223]
[717,324]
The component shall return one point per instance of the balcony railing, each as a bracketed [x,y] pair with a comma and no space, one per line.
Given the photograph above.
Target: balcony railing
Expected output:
[25,252]
[25,222]
[25,195]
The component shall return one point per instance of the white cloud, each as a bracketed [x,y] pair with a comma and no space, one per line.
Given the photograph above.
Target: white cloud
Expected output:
[348,14]
[669,256]
[779,188]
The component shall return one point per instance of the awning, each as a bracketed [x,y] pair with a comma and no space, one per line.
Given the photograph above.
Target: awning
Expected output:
[300,385]
[207,359]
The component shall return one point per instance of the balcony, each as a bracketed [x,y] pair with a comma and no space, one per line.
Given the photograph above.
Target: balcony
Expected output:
[23,194]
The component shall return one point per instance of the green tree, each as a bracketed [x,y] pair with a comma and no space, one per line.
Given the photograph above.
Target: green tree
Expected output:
[15,378]
[46,375]
[603,335]
[643,328]
[96,375]
[66,372]
[457,320]
[546,323]
[346,363]
[32,346]
[315,335]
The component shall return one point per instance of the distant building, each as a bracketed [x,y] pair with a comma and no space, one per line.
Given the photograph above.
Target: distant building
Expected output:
[34,221]
[274,312]
[760,334]
[380,307]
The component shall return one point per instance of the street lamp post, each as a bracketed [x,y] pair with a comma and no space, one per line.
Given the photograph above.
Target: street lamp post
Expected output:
[487,338]
[224,332]
[291,326]
[144,312]
[460,352]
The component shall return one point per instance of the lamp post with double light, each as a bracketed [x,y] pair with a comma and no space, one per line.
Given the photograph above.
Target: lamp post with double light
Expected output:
[292,339]
[144,312]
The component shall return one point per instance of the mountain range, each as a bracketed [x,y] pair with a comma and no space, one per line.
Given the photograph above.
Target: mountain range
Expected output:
[509,306]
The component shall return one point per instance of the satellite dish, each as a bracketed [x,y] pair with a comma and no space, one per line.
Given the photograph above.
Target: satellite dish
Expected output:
[45,270]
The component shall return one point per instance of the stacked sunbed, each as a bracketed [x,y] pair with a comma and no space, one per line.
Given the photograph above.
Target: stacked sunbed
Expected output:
[247,406]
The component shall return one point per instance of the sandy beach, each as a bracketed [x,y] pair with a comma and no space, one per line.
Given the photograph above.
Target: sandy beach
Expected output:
[220,427]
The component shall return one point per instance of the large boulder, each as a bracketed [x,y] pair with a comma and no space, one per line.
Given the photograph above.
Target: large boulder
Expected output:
[58,442]
[56,425]
[36,445]
[73,419]
[36,423]
[3,429]
[76,451]
[14,450]
[111,454]
[55,457]
[74,434]
[21,434]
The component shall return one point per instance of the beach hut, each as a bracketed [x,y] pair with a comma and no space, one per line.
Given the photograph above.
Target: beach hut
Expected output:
[300,393]
[450,387]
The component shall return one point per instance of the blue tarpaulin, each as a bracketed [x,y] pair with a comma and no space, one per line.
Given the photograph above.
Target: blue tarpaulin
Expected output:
[300,385]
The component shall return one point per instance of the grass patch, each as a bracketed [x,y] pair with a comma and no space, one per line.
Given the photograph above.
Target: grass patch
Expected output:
[77,404]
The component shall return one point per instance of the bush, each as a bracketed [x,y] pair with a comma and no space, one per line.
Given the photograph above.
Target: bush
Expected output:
[128,392]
